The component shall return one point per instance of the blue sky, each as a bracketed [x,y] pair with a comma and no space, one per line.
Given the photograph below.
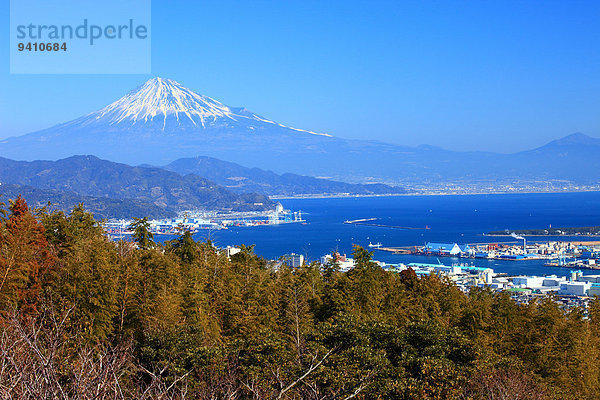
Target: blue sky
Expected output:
[484,75]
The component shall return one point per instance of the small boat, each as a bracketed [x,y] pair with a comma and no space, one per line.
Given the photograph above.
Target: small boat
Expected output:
[376,245]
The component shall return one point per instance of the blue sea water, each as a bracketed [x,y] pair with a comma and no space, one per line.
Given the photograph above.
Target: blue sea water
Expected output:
[461,219]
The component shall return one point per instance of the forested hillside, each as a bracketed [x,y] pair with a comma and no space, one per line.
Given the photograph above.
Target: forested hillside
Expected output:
[90,176]
[102,207]
[84,317]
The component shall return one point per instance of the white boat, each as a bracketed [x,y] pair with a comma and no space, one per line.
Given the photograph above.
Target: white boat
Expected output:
[376,245]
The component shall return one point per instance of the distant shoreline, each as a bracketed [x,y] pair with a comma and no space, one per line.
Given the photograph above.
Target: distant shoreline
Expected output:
[336,196]
[343,196]
[553,236]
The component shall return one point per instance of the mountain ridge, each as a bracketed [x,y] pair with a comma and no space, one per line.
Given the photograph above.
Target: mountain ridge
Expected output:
[243,179]
[101,207]
[93,177]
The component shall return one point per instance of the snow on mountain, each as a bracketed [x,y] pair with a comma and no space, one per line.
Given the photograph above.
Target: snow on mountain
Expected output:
[161,100]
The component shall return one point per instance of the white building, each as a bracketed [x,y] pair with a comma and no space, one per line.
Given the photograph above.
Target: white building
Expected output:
[574,288]
[443,248]
[293,260]
[343,262]
[447,269]
[528,281]
[230,250]
[594,290]
[590,278]
[553,281]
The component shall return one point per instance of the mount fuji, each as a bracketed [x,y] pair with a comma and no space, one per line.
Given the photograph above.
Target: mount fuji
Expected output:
[162,121]
[164,106]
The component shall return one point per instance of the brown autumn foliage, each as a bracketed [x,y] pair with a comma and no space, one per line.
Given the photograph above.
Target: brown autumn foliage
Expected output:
[25,257]
[82,317]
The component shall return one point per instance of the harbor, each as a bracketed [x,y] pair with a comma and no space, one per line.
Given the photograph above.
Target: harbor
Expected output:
[581,254]
[196,221]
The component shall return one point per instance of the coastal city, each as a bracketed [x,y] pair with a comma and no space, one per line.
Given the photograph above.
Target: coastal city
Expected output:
[580,254]
[573,290]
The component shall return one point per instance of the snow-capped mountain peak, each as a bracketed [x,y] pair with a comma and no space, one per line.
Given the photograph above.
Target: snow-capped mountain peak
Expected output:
[168,103]
[162,98]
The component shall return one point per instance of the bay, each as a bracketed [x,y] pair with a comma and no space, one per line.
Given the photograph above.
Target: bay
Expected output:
[450,218]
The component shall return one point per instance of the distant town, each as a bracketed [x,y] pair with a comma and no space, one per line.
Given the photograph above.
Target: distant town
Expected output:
[479,186]
[550,231]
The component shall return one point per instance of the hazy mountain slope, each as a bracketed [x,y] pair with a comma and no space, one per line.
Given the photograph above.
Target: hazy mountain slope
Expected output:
[100,207]
[241,179]
[574,158]
[91,176]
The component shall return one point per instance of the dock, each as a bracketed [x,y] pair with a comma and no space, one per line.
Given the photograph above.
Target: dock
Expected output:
[398,250]
[368,222]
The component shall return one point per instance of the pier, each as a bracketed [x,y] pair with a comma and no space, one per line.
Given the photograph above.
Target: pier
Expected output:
[368,222]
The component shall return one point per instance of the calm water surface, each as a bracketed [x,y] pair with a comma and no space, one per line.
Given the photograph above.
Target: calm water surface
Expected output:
[461,219]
